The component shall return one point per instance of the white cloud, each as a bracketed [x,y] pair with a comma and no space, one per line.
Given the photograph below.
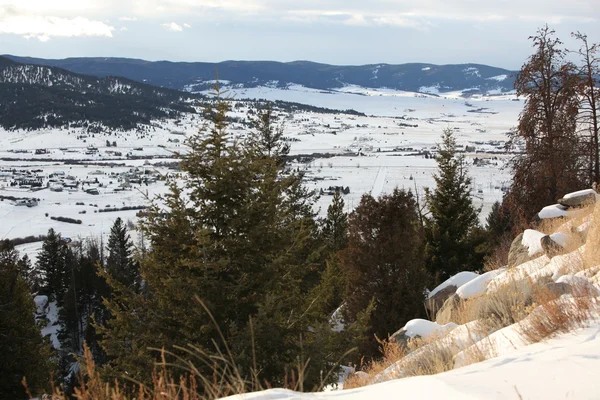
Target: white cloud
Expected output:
[127,19]
[175,27]
[172,26]
[44,28]
[123,28]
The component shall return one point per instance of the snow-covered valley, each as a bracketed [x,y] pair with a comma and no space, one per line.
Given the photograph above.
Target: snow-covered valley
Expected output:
[391,145]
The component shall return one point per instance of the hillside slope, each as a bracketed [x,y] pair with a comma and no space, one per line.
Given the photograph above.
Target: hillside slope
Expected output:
[34,97]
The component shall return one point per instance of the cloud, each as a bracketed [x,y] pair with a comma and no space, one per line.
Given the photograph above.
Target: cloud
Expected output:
[45,27]
[175,27]
[127,19]
[172,26]
[123,28]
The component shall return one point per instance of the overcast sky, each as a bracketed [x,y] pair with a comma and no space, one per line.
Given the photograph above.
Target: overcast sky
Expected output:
[343,32]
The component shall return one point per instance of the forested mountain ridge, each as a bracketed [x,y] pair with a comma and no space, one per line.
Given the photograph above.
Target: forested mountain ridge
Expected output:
[35,96]
[194,76]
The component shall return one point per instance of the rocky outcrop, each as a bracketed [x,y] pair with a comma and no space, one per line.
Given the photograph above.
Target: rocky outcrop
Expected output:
[579,199]
[435,302]
[551,248]
[518,253]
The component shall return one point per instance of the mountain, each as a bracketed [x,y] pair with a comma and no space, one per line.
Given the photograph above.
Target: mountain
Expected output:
[195,76]
[36,96]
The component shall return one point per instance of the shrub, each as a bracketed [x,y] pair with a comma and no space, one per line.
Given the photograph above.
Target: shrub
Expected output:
[66,219]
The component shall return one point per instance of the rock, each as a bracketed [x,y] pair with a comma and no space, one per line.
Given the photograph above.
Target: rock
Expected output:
[578,199]
[559,288]
[579,286]
[551,248]
[447,312]
[401,338]
[553,211]
[435,302]
[518,253]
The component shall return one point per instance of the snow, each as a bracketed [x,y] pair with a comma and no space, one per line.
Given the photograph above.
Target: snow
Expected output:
[580,193]
[563,367]
[560,238]
[337,320]
[553,211]
[531,240]
[498,78]
[424,328]
[478,285]
[457,280]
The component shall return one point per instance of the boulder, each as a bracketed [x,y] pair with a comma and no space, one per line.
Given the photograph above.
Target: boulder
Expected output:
[518,253]
[435,302]
[551,248]
[559,288]
[448,311]
[579,199]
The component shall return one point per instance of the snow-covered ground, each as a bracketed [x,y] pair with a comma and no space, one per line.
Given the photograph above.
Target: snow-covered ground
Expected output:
[369,154]
[562,368]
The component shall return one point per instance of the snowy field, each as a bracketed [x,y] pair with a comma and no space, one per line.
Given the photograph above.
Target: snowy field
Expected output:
[368,154]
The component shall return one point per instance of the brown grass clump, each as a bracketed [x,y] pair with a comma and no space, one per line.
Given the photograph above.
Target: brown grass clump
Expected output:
[391,352]
[552,314]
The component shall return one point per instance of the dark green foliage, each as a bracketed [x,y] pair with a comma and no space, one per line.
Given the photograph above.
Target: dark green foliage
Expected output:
[498,221]
[24,353]
[450,227]
[335,226]
[51,265]
[383,266]
[120,263]
[242,242]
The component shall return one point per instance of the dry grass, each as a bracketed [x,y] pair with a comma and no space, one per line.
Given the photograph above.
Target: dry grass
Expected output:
[552,314]
[499,257]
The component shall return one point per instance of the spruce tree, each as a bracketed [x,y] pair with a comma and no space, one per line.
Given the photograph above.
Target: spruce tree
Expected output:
[51,265]
[120,262]
[335,225]
[451,227]
[383,266]
[24,353]
[242,242]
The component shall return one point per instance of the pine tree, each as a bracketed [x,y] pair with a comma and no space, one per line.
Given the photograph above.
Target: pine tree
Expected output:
[30,274]
[120,262]
[24,353]
[383,266]
[51,265]
[450,227]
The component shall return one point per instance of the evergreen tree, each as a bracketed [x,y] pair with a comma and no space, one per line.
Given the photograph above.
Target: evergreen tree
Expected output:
[335,226]
[383,266]
[451,232]
[242,241]
[498,221]
[120,262]
[51,265]
[30,274]
[24,353]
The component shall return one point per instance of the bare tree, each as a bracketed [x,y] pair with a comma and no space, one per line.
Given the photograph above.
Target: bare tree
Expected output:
[551,164]
[590,95]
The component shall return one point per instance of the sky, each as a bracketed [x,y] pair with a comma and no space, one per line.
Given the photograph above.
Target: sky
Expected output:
[342,32]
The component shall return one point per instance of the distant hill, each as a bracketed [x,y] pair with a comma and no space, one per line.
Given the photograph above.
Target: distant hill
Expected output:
[35,96]
[196,76]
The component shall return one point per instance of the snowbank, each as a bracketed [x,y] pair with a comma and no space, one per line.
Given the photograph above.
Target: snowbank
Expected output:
[531,240]
[457,280]
[477,285]
[424,328]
